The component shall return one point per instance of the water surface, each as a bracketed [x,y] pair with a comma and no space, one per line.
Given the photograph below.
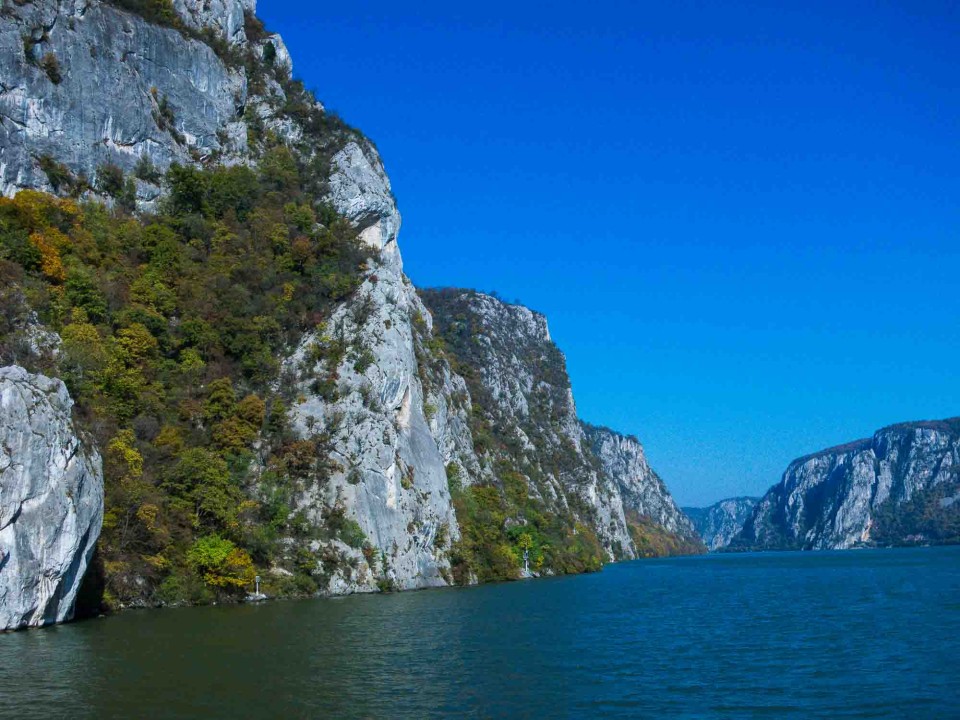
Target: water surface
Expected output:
[862,634]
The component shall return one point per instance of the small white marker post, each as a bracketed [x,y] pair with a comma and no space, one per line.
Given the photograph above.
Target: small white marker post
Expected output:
[257,580]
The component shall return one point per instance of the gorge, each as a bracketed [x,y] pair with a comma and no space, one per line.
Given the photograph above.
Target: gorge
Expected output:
[208,260]
[214,367]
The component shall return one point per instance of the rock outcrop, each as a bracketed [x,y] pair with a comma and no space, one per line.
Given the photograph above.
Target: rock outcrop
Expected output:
[392,475]
[898,486]
[166,98]
[88,87]
[719,523]
[51,502]
[521,393]
[640,488]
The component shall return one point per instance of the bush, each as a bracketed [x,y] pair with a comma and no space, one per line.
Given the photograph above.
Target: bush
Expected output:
[221,564]
[51,66]
[147,171]
[171,325]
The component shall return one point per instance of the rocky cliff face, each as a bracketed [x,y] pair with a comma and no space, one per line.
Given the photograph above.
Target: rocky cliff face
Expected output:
[51,502]
[642,493]
[391,475]
[165,97]
[201,89]
[719,523]
[88,87]
[526,421]
[898,486]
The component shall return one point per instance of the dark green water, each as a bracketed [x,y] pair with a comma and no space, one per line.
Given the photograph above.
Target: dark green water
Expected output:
[869,634]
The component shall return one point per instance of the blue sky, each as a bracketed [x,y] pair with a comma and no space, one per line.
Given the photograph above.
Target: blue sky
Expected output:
[741,219]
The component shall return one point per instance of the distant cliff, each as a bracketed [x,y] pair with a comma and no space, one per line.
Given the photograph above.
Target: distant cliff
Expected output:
[526,436]
[657,525]
[902,486]
[719,523]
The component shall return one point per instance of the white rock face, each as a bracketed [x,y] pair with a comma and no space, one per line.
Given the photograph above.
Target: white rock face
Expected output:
[225,17]
[640,488]
[392,477]
[719,523]
[138,67]
[828,500]
[51,502]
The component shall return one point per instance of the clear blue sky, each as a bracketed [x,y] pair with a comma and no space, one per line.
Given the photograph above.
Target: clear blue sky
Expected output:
[741,219]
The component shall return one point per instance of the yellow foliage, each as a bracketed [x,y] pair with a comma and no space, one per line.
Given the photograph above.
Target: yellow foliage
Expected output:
[135,343]
[111,518]
[50,263]
[82,342]
[157,561]
[169,438]
[252,410]
[40,211]
[148,514]
[121,451]
[114,567]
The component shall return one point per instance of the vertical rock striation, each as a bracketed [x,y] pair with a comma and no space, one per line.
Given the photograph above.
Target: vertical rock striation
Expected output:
[719,523]
[642,493]
[390,473]
[51,502]
[895,487]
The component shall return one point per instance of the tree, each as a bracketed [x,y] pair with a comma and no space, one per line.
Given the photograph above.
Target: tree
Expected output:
[220,563]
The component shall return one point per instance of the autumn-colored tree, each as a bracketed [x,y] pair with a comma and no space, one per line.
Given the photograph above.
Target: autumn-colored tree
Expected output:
[220,563]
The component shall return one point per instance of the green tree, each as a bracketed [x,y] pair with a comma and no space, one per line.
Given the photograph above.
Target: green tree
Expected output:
[220,563]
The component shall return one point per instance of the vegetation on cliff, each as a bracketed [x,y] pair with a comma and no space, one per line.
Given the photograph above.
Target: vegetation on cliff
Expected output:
[172,325]
[510,514]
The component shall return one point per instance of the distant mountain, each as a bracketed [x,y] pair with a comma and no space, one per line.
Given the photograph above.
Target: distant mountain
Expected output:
[901,486]
[719,523]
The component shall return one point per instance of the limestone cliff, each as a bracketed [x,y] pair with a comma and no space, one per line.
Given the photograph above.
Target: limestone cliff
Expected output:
[51,502]
[211,86]
[525,421]
[657,525]
[899,486]
[99,99]
[719,523]
[391,473]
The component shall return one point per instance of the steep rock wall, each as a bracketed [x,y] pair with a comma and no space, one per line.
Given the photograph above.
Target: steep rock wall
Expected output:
[125,89]
[391,475]
[520,390]
[719,523]
[834,499]
[642,492]
[51,502]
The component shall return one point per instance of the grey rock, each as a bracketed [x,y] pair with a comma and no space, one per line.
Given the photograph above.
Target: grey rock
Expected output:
[719,523]
[525,391]
[116,72]
[225,17]
[829,500]
[392,478]
[51,501]
[639,486]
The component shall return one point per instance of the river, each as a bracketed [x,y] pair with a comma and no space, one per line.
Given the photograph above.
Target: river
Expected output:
[856,634]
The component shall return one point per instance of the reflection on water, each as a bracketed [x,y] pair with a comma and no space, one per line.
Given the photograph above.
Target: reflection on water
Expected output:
[861,634]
